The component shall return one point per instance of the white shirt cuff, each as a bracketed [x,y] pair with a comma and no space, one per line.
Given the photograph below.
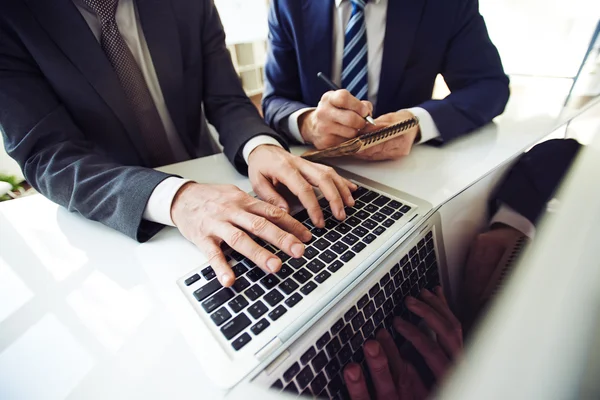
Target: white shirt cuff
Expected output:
[428,128]
[158,208]
[507,216]
[293,126]
[258,141]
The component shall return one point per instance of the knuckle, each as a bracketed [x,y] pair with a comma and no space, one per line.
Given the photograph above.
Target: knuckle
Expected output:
[258,224]
[273,212]
[236,237]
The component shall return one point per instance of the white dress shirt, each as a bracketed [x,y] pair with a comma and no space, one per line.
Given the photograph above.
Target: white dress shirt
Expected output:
[375,20]
[158,208]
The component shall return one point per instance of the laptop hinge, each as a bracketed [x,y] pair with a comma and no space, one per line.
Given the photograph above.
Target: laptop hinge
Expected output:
[267,349]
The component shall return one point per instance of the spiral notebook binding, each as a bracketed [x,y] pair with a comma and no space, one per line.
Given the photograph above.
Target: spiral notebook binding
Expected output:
[384,133]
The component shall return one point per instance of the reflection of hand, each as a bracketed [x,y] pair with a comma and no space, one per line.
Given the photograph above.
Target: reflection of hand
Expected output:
[395,148]
[484,255]
[394,378]
[338,117]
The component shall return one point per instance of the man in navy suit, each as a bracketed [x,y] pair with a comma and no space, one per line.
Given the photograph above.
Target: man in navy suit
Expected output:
[387,53]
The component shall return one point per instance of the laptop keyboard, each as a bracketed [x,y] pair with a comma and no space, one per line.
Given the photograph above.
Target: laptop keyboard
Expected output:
[319,369]
[256,299]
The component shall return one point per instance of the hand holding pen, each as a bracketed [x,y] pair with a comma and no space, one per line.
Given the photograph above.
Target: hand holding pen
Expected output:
[338,117]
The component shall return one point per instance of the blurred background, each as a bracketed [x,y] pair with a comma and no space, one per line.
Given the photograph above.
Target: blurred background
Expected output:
[546,46]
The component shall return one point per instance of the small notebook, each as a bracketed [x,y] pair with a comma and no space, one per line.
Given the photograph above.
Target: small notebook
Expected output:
[365,141]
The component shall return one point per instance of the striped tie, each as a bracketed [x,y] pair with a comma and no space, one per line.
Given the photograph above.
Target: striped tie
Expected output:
[355,60]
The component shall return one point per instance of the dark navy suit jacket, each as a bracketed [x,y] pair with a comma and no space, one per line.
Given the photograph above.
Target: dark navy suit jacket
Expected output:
[66,120]
[423,38]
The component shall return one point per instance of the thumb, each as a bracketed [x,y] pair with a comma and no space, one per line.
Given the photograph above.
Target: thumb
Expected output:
[266,191]
[369,105]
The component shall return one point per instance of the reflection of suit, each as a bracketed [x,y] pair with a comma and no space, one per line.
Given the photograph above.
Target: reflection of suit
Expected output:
[423,38]
[67,121]
[533,180]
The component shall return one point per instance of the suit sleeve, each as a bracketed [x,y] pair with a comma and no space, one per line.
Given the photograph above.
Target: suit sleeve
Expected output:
[54,155]
[226,105]
[283,94]
[473,72]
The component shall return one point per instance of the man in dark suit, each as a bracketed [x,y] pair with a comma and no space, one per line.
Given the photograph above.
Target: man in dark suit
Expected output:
[94,93]
[387,54]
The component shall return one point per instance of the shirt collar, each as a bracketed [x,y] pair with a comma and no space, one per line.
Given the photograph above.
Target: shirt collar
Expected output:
[339,2]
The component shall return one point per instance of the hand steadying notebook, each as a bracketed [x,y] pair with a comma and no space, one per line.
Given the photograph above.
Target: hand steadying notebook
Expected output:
[365,141]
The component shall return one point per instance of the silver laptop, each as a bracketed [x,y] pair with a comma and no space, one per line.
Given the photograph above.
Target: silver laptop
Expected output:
[264,316]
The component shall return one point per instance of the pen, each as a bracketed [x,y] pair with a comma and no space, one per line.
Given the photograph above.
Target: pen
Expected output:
[333,86]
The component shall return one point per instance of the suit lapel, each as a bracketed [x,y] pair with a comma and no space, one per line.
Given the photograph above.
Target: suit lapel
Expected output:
[162,37]
[78,43]
[318,30]
[402,21]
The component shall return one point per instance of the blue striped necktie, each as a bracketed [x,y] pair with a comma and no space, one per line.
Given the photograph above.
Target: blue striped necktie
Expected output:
[355,60]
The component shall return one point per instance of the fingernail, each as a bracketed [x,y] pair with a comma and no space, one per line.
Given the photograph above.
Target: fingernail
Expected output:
[273,264]
[411,300]
[425,292]
[341,214]
[321,223]
[350,201]
[372,349]
[353,372]
[226,279]
[297,250]
[306,236]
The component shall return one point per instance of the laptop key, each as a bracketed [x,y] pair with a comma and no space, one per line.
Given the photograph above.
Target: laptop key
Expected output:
[238,303]
[356,341]
[384,279]
[379,230]
[284,271]
[368,328]
[235,326]
[273,297]
[304,377]
[331,223]
[291,388]
[277,385]
[371,208]
[255,274]
[208,273]
[362,302]
[369,238]
[347,256]
[327,256]
[301,216]
[388,306]
[220,316]
[379,299]
[405,209]
[310,252]
[358,247]
[322,277]
[241,341]
[350,239]
[240,284]
[389,289]
[369,197]
[322,244]
[362,215]
[257,309]
[315,266]
[343,228]
[395,269]
[206,290]
[379,217]
[309,287]
[333,347]
[360,231]
[369,224]
[291,372]
[388,222]
[297,262]
[339,248]
[378,317]
[254,292]
[318,232]
[277,312]
[334,385]
[349,210]
[308,355]
[239,270]
[323,340]
[335,266]
[358,321]
[302,275]
[288,286]
[332,236]
[192,279]
[381,200]
[293,300]
[335,328]
[346,333]
[319,362]
[318,384]
[429,245]
[345,354]
[350,314]
[397,215]
[270,281]
[369,309]
[386,210]
[332,368]
[260,326]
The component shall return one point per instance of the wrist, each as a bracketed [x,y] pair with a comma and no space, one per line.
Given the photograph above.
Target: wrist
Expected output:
[261,149]
[307,125]
[179,203]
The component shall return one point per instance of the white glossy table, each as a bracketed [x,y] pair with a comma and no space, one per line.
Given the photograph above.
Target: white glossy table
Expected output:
[83,316]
